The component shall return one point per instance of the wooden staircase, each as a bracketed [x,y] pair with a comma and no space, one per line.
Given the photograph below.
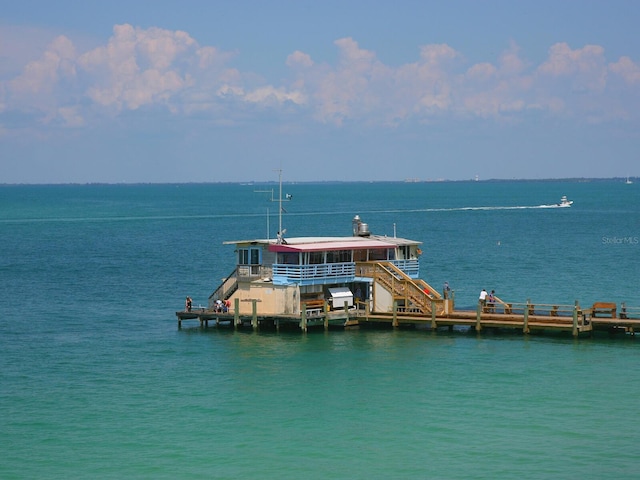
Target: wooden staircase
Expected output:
[413,295]
[227,288]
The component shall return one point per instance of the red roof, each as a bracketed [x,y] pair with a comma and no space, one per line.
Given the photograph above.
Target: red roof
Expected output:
[327,246]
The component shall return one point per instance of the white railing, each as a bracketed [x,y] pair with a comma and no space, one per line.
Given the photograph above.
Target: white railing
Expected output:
[313,274]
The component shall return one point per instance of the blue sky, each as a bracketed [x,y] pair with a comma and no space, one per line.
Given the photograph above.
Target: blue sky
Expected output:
[200,91]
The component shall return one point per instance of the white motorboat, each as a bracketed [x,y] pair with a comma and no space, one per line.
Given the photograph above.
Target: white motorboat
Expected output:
[564,202]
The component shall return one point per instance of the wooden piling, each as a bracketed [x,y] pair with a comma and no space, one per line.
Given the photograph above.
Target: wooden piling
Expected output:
[254,314]
[303,320]
[434,324]
[394,321]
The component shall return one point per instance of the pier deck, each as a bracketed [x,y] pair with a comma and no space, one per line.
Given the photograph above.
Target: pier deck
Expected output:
[523,318]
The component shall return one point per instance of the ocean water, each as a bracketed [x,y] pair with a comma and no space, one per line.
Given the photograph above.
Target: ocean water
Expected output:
[97,381]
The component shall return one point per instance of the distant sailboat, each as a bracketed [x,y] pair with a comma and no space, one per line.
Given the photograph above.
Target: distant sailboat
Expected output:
[628,182]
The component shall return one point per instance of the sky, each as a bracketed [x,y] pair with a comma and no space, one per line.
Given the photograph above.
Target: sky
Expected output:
[170,91]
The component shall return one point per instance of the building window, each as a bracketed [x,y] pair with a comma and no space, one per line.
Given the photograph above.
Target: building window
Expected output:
[248,256]
[378,254]
[360,256]
[316,258]
[339,256]
[288,258]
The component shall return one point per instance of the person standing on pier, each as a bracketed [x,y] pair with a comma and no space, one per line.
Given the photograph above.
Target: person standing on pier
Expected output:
[492,301]
[187,304]
[483,298]
[446,290]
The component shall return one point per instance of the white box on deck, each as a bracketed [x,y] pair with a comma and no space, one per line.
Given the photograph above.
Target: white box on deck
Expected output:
[339,295]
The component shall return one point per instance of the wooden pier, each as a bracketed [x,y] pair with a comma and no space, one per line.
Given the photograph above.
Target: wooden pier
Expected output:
[523,317]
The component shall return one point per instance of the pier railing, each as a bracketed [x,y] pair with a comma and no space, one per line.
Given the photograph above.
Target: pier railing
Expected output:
[519,308]
[284,274]
[411,267]
[629,312]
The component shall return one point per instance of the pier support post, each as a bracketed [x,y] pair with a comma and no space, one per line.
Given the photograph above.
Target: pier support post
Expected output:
[479,317]
[236,313]
[525,326]
[346,312]
[303,320]
[394,322]
[325,313]
[575,319]
[254,314]
[434,324]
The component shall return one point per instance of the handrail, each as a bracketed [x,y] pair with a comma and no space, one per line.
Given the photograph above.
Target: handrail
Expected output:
[499,300]
[225,289]
[630,312]
[541,309]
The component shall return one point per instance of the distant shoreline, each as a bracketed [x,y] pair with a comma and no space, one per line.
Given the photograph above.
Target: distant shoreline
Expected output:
[335,182]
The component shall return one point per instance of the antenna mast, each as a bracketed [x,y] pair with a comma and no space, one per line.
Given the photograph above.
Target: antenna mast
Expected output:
[280,202]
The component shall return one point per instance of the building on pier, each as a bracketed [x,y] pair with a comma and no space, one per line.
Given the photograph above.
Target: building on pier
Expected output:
[285,276]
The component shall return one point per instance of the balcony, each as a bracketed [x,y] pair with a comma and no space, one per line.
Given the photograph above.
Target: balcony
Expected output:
[411,267]
[320,274]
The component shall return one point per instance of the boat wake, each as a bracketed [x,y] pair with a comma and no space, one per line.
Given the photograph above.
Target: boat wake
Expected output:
[259,215]
[518,207]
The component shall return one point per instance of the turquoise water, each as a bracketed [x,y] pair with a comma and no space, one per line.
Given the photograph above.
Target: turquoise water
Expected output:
[97,381]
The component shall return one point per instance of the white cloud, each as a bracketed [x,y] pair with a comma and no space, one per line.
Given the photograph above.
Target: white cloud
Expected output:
[510,63]
[585,67]
[482,72]
[211,58]
[627,69]
[71,116]
[137,67]
[42,75]
[299,59]
[230,91]
[156,67]
[269,96]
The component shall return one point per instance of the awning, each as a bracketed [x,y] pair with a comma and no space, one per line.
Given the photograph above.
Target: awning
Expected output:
[329,246]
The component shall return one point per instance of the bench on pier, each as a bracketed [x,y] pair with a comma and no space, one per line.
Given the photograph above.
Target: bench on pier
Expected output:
[314,307]
[604,308]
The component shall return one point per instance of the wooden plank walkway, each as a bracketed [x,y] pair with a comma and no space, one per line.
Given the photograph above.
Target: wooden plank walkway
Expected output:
[512,317]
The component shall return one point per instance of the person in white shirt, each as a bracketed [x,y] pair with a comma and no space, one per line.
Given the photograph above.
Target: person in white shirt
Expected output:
[483,297]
